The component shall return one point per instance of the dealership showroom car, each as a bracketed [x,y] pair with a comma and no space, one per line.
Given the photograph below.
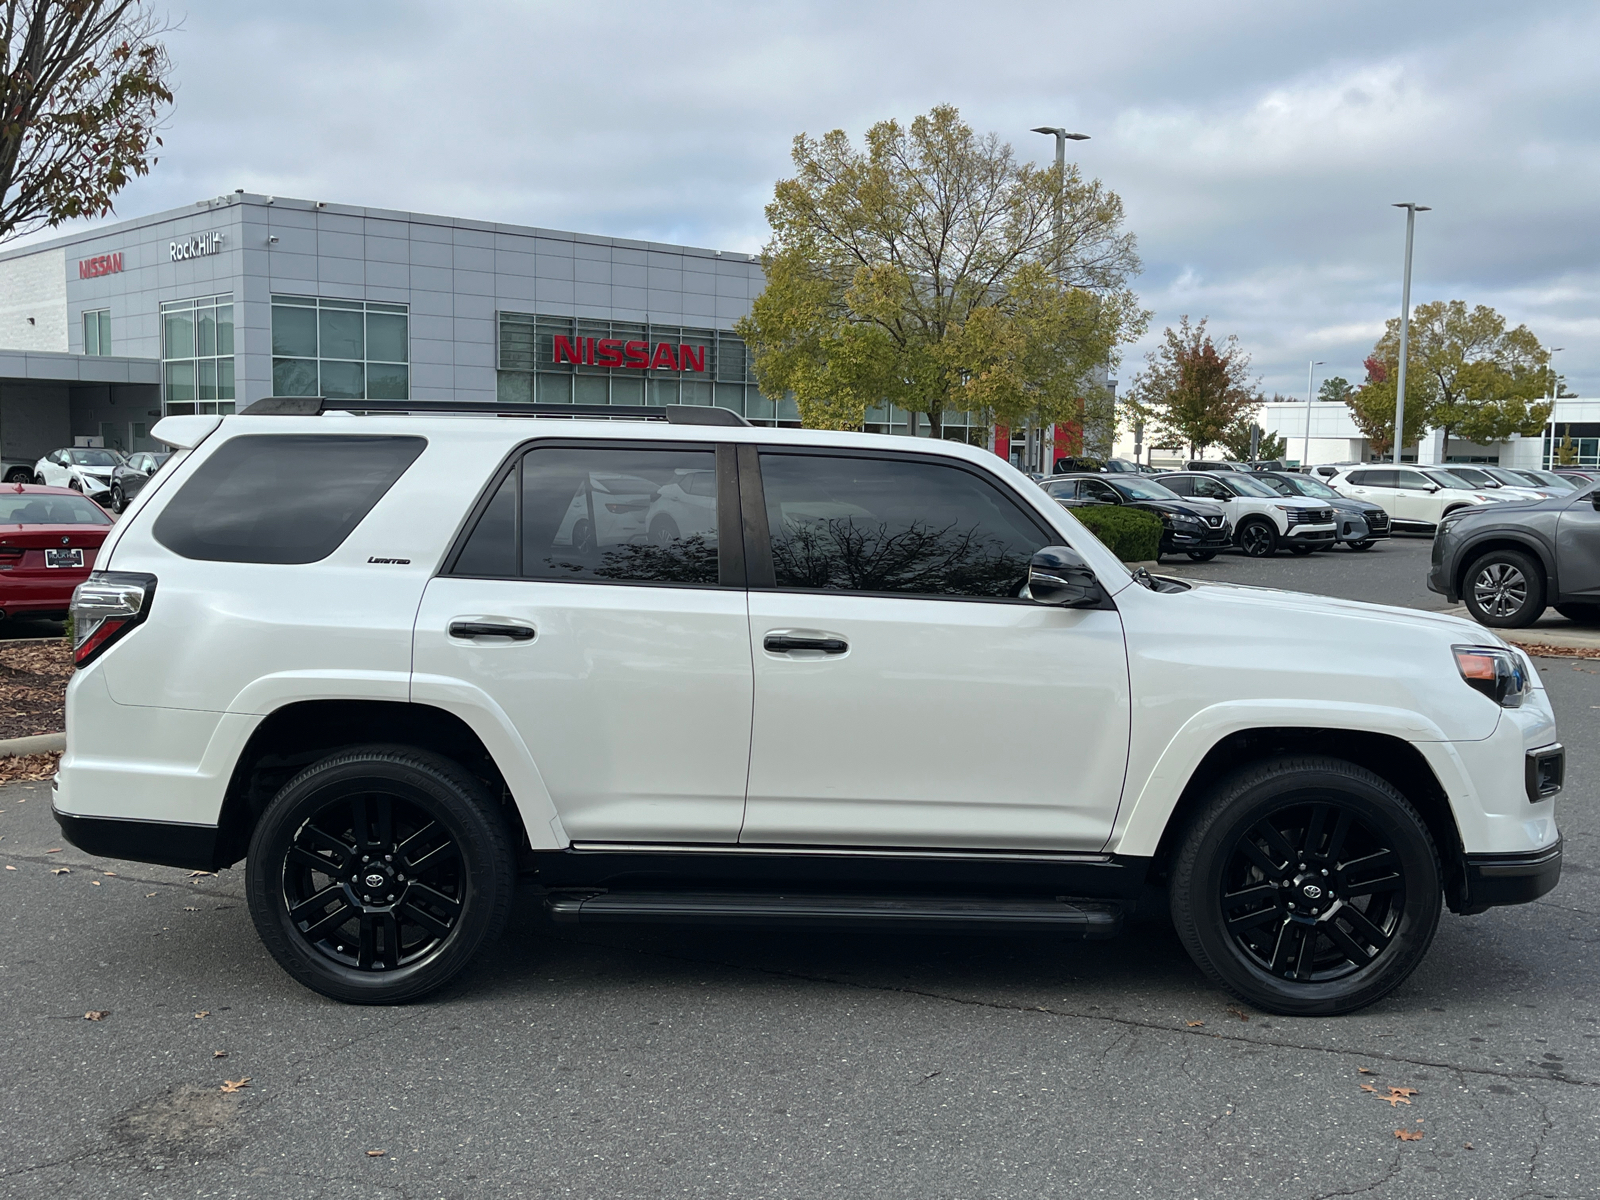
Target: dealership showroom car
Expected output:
[1197,528]
[1508,563]
[1362,524]
[1263,521]
[1413,501]
[84,469]
[431,681]
[128,477]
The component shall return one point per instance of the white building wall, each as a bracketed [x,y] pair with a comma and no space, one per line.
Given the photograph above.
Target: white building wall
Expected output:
[33,302]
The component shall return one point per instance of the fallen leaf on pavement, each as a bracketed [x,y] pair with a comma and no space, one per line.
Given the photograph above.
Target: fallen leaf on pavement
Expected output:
[234,1085]
[57,850]
[1365,1071]
[96,882]
[197,874]
[1408,1135]
[219,1054]
[9,867]
[111,873]
[147,895]
[1396,1095]
[205,1012]
[1243,1016]
[376,1153]
[190,908]
[1194,1024]
[97,1014]
[1466,1145]
[61,870]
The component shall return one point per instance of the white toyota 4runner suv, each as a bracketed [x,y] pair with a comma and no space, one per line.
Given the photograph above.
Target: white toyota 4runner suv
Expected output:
[675,668]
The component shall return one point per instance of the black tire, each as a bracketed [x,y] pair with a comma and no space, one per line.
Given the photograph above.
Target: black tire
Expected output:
[1365,849]
[445,850]
[1583,614]
[1257,537]
[1202,555]
[1364,544]
[118,501]
[75,485]
[663,530]
[1302,551]
[1504,589]
[38,479]
[19,475]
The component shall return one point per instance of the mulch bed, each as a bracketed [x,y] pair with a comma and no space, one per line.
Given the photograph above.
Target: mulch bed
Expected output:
[33,689]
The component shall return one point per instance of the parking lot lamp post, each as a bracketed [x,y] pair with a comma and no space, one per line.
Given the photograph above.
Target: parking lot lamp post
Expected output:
[1305,450]
[1062,137]
[1412,209]
[1555,394]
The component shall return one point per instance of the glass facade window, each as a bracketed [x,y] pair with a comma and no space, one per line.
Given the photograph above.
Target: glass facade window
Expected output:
[568,360]
[340,349]
[197,355]
[97,332]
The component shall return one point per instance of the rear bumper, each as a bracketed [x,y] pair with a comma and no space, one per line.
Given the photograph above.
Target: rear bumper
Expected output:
[1491,880]
[165,843]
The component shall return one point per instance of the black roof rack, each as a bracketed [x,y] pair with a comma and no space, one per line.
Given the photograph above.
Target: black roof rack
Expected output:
[675,414]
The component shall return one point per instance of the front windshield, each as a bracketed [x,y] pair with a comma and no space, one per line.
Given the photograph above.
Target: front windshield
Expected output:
[1249,486]
[1506,477]
[1546,479]
[1313,487]
[1143,489]
[32,508]
[1282,486]
[1446,479]
[94,458]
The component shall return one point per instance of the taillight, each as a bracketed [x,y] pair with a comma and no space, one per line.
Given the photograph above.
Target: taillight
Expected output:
[9,558]
[104,607]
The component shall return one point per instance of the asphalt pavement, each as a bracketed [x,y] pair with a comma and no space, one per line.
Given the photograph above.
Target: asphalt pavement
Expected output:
[701,1063]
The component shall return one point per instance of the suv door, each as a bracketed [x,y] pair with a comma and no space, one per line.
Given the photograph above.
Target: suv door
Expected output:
[1578,547]
[1096,492]
[1378,486]
[898,672]
[596,603]
[1417,498]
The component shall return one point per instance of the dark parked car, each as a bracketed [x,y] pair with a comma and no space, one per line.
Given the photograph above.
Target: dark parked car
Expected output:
[1201,464]
[1510,561]
[127,479]
[1070,464]
[1193,527]
[1360,522]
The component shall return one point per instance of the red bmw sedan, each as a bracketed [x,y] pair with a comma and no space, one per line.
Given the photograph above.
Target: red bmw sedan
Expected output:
[49,537]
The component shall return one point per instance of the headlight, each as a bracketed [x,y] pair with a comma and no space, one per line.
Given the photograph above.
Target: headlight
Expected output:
[1496,672]
[1186,519]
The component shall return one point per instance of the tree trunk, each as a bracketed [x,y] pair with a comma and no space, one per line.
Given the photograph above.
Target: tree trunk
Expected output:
[1444,447]
[935,423]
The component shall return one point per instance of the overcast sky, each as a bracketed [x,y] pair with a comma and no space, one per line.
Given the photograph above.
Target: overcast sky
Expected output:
[1257,145]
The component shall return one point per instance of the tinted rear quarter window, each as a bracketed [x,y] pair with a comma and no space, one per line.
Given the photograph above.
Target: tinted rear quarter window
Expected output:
[282,498]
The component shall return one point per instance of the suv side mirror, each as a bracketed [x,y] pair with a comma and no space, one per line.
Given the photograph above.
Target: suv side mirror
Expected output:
[1059,576]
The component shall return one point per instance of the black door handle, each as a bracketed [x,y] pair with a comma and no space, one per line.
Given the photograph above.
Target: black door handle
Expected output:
[780,643]
[477,629]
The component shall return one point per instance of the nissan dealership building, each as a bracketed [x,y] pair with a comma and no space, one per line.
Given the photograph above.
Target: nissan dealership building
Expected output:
[207,308]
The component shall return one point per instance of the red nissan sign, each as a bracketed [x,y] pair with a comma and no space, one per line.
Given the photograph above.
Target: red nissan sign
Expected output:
[637,356]
[100,264]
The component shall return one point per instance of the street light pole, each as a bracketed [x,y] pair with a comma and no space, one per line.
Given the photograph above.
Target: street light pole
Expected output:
[1412,209]
[1305,450]
[1062,138]
[1555,395]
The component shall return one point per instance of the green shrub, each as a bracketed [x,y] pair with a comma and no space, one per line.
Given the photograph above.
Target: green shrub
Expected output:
[1129,533]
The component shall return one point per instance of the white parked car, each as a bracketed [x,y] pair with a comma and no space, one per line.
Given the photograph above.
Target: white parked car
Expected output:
[367,656]
[85,469]
[1475,479]
[1412,500]
[1262,520]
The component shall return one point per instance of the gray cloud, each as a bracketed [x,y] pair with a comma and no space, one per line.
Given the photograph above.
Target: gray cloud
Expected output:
[1257,145]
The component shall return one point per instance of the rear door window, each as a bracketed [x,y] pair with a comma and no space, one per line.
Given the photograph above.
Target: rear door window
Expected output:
[282,498]
[601,515]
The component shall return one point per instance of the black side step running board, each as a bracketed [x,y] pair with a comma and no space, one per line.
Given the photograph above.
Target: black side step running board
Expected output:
[1072,918]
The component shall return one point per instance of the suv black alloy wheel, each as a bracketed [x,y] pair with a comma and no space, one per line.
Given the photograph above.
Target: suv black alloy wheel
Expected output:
[1258,538]
[375,874]
[1307,886]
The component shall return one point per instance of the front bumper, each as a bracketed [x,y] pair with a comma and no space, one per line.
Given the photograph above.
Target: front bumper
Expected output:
[1491,880]
[1317,535]
[1175,537]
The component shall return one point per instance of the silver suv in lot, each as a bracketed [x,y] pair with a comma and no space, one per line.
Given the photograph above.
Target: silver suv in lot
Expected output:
[674,668]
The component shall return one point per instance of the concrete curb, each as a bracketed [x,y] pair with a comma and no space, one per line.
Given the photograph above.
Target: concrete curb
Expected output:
[43,743]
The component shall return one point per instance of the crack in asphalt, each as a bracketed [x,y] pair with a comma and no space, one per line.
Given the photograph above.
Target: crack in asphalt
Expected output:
[189,886]
[1129,1022]
[1387,1178]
